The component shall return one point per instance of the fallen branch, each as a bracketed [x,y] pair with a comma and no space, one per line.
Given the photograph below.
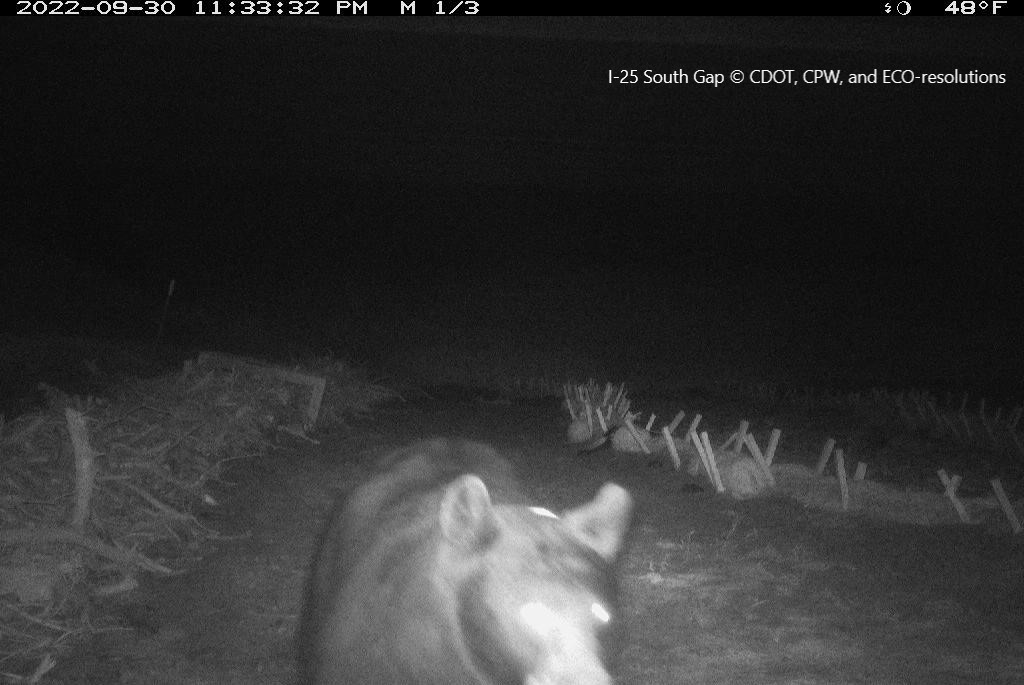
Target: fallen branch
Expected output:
[38,537]
[951,484]
[1004,502]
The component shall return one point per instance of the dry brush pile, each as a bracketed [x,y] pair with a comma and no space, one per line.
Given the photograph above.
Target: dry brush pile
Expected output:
[95,493]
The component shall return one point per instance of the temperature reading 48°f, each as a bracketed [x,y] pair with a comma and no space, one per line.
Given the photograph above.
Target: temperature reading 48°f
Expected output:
[979,7]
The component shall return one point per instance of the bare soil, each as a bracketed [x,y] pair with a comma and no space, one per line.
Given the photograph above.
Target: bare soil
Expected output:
[714,590]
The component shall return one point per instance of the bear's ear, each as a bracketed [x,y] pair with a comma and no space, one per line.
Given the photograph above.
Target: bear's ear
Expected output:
[467,516]
[602,523]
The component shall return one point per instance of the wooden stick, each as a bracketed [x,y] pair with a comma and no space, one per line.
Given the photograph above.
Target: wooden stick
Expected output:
[826,452]
[729,443]
[741,435]
[719,486]
[162,508]
[950,484]
[600,419]
[671,444]
[693,424]
[43,537]
[636,436]
[773,442]
[676,421]
[318,386]
[624,407]
[759,459]
[703,457]
[844,487]
[650,422]
[622,389]
[85,467]
[1004,502]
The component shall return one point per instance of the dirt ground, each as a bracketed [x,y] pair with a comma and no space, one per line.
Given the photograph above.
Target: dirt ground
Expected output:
[714,590]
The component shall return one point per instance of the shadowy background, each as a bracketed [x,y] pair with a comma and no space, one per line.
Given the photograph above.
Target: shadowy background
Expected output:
[445,200]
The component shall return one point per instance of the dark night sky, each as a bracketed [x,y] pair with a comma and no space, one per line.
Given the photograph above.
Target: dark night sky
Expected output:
[383,182]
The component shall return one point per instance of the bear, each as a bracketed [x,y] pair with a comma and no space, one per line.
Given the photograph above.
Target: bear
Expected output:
[434,572]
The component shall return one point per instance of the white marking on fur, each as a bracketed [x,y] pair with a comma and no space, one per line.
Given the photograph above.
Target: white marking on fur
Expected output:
[541,511]
[539,617]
